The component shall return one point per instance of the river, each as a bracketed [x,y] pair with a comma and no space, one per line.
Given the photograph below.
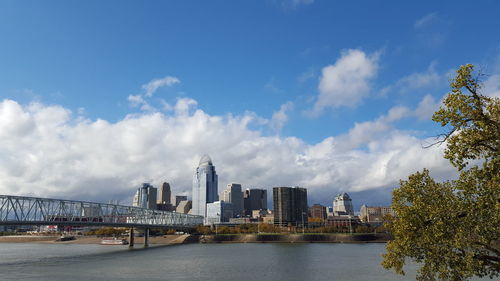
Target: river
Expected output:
[221,262]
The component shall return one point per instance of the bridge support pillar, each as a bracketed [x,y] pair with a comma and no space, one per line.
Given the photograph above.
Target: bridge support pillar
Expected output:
[131,237]
[146,237]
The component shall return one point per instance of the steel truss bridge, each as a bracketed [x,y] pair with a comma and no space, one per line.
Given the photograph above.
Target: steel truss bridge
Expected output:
[19,210]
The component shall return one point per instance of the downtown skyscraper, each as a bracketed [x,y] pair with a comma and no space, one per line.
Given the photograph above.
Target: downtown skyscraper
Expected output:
[205,186]
[165,194]
[145,197]
[290,206]
[233,194]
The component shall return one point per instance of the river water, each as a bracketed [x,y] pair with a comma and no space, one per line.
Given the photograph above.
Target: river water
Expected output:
[219,262]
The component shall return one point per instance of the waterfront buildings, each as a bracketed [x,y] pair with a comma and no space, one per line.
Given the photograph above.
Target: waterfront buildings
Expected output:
[348,223]
[342,205]
[374,214]
[318,211]
[205,188]
[269,218]
[290,206]
[233,194]
[254,199]
[265,216]
[145,197]
[184,207]
[218,212]
[259,213]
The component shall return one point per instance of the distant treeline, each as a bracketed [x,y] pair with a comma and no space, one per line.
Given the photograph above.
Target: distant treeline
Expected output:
[269,228]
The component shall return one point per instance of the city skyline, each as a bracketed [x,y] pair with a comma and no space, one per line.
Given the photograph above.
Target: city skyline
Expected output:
[329,96]
[205,186]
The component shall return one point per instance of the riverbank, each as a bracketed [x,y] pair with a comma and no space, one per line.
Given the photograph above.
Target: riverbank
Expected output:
[161,240]
[225,238]
[291,238]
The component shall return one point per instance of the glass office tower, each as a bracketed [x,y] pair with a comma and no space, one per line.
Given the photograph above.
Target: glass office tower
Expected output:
[205,188]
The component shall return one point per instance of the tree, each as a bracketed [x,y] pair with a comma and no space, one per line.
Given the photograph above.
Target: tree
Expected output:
[452,229]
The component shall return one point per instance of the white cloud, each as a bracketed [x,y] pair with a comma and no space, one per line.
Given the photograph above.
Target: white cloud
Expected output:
[425,21]
[432,30]
[139,101]
[46,151]
[280,117]
[184,105]
[416,80]
[155,84]
[492,83]
[421,79]
[426,108]
[362,134]
[346,82]
[492,86]
[135,100]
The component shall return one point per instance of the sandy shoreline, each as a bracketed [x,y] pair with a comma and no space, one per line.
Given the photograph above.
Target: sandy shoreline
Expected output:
[231,238]
[162,240]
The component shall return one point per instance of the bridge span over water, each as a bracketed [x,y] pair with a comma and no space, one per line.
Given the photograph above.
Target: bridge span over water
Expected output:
[21,210]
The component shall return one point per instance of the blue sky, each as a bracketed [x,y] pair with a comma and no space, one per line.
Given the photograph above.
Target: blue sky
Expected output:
[245,58]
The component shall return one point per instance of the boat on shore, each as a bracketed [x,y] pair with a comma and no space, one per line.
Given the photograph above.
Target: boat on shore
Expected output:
[114,241]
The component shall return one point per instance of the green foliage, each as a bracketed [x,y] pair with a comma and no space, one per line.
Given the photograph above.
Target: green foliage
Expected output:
[108,231]
[452,229]
[204,230]
[363,229]
[270,228]
[473,120]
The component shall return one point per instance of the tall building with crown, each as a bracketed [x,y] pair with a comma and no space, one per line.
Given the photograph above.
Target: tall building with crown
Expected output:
[205,188]
[342,205]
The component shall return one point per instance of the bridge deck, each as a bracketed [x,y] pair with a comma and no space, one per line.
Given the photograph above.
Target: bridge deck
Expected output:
[20,210]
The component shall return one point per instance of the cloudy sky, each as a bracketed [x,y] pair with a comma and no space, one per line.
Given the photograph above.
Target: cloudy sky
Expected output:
[97,97]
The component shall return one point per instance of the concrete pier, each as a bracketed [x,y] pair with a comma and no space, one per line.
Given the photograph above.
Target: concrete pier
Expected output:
[131,237]
[146,237]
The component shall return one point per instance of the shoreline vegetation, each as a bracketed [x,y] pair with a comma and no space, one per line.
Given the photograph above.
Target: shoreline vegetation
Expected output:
[212,238]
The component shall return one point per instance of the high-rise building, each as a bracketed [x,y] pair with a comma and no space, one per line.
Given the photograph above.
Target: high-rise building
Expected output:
[184,207]
[204,186]
[179,198]
[342,205]
[145,197]
[254,199]
[164,194]
[290,205]
[374,214]
[218,211]
[163,202]
[233,194]
[318,211]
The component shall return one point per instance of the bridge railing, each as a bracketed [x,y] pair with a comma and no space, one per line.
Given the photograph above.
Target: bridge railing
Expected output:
[39,211]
